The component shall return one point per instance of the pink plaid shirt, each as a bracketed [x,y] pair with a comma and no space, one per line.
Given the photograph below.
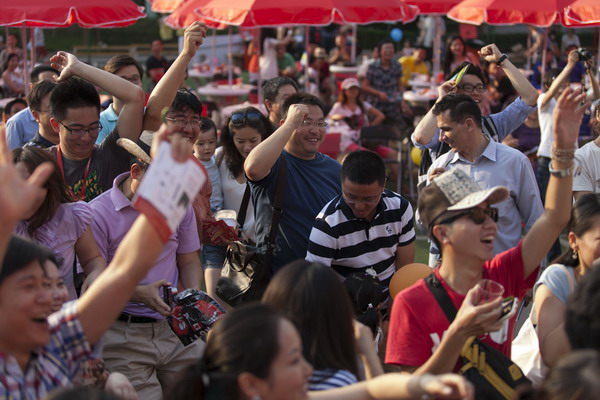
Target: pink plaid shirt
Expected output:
[51,366]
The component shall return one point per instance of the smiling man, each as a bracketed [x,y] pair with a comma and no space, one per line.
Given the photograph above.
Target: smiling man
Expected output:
[312,177]
[490,164]
[461,217]
[366,227]
[89,169]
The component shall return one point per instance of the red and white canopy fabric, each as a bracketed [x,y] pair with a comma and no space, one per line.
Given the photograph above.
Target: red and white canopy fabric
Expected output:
[62,13]
[427,7]
[542,13]
[248,13]
[165,6]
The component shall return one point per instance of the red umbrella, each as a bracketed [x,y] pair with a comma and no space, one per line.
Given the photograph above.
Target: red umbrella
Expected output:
[61,13]
[307,12]
[534,12]
[433,6]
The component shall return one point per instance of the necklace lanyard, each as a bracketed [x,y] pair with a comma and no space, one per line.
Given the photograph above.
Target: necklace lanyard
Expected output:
[81,194]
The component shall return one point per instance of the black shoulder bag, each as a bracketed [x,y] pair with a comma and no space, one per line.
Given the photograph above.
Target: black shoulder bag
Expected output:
[246,272]
[494,375]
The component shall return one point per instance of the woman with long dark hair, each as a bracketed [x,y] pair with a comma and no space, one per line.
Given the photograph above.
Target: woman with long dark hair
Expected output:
[456,54]
[314,299]
[256,353]
[558,280]
[59,223]
[14,85]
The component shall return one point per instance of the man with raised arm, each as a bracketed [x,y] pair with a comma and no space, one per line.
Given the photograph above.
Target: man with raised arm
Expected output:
[312,177]
[40,352]
[459,217]
[89,169]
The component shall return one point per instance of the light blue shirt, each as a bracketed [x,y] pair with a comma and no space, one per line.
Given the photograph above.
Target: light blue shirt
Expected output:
[108,119]
[506,122]
[216,199]
[504,166]
[21,128]
[557,281]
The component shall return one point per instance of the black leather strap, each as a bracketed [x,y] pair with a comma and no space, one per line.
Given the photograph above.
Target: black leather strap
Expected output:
[241,217]
[277,204]
[442,297]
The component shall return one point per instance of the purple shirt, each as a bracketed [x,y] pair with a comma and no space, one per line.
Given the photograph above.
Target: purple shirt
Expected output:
[60,234]
[113,216]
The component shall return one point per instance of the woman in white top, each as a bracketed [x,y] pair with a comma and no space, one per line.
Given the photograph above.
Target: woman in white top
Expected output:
[244,130]
[268,52]
[556,282]
[13,81]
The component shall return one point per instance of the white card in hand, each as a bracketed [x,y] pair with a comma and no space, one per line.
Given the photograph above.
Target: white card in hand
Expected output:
[167,189]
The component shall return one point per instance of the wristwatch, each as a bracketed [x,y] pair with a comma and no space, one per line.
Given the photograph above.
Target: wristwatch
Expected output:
[561,173]
[501,59]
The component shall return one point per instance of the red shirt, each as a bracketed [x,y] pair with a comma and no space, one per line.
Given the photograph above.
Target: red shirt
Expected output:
[417,322]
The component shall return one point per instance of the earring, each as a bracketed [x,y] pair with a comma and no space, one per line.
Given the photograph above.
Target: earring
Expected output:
[575,256]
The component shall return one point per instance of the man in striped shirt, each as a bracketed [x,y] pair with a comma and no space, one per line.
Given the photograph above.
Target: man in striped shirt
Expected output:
[366,227]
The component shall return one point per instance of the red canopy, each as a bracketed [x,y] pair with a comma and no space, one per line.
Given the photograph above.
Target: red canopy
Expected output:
[292,12]
[534,12]
[165,6]
[433,6]
[63,13]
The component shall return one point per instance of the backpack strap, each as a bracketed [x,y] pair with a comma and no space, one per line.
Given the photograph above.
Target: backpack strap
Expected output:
[490,128]
[277,205]
[241,217]
[442,297]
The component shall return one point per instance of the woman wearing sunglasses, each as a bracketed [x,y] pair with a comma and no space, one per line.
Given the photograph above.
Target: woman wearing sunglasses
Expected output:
[242,132]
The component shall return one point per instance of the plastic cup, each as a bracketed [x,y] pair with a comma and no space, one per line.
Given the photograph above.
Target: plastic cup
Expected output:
[489,290]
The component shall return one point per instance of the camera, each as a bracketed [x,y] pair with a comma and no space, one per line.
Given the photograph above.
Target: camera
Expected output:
[584,55]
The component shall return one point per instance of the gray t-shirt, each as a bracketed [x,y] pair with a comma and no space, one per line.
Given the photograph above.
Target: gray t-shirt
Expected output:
[556,279]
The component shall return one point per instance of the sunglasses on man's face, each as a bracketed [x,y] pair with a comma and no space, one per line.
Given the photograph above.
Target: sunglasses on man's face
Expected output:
[477,215]
[241,118]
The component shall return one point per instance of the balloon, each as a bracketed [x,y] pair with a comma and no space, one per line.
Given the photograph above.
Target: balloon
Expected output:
[407,276]
[415,155]
[396,34]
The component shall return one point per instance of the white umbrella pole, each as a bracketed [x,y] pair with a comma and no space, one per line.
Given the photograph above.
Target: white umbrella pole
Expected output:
[259,81]
[543,63]
[213,49]
[229,59]
[32,50]
[24,69]
[353,54]
[307,49]
[437,47]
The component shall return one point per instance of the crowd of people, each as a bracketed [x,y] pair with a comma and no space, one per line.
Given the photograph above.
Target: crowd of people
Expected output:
[86,271]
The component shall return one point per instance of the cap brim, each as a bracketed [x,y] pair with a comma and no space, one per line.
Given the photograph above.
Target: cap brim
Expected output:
[492,196]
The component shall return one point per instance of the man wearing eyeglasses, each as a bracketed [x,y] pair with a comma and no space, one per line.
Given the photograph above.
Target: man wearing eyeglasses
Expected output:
[89,169]
[366,227]
[313,178]
[490,164]
[460,216]
[473,83]
[127,68]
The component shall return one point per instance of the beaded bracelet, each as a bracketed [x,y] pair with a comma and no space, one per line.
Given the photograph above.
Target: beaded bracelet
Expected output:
[562,155]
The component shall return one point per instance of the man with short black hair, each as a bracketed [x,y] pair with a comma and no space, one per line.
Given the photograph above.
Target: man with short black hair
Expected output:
[39,103]
[366,227]
[490,164]
[89,169]
[22,127]
[312,177]
[275,92]
[129,69]
[582,320]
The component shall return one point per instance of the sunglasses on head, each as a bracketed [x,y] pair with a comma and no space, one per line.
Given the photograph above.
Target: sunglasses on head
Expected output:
[241,118]
[476,215]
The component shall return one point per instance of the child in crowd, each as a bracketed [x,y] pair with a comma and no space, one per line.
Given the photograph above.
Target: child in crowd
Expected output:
[213,256]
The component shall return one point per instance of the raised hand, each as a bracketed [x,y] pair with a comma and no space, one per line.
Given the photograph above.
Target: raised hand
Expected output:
[569,110]
[490,53]
[296,114]
[18,196]
[194,37]
[65,63]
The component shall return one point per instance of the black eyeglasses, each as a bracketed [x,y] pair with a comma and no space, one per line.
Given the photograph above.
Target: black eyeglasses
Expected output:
[476,215]
[242,118]
[80,131]
[468,88]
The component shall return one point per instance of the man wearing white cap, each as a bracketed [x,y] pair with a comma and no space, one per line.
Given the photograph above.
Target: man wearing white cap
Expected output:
[458,216]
